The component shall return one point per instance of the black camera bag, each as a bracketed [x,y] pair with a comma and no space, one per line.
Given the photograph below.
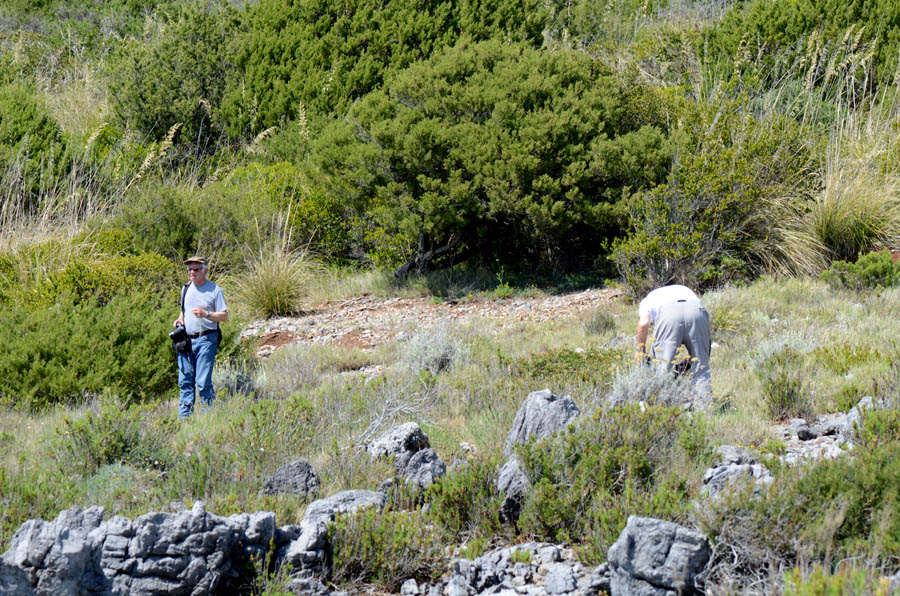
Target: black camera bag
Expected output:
[180,340]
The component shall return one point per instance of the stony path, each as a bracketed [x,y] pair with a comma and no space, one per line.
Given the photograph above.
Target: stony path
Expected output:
[368,321]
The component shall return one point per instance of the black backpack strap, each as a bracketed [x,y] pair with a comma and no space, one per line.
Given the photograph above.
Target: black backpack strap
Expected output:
[184,290]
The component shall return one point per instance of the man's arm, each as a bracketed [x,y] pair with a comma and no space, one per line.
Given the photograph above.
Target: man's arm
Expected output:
[643,329]
[218,317]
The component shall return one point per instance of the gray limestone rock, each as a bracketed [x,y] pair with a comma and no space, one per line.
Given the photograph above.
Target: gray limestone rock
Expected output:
[656,557]
[404,438]
[423,468]
[189,552]
[297,478]
[718,478]
[560,579]
[542,415]
[348,501]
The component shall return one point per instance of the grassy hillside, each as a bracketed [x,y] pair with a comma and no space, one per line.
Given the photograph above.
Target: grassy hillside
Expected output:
[481,150]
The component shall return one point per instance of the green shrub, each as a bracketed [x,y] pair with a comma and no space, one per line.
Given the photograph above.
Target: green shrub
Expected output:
[107,432]
[712,222]
[832,510]
[524,157]
[384,548]
[765,30]
[464,505]
[33,151]
[72,349]
[782,379]
[843,582]
[323,56]
[870,271]
[617,463]
[176,73]
[877,427]
[555,367]
[840,358]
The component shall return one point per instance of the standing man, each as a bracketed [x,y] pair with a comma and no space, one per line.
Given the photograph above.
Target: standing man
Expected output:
[678,318]
[202,309]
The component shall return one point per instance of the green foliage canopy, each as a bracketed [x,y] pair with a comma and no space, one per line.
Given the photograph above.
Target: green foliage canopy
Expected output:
[497,148]
[325,55]
[175,73]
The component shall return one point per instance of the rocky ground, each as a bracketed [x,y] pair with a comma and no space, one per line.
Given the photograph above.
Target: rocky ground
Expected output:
[367,321]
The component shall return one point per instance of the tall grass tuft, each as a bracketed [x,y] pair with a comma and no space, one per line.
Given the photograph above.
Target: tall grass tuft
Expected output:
[276,282]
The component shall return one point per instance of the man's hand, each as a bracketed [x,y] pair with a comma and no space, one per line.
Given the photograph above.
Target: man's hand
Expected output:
[177,322]
[200,313]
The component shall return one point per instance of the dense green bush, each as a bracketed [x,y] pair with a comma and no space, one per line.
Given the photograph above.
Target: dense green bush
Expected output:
[71,350]
[224,221]
[498,150]
[384,548]
[176,73]
[870,271]
[616,463]
[715,220]
[105,433]
[322,55]
[766,28]
[33,150]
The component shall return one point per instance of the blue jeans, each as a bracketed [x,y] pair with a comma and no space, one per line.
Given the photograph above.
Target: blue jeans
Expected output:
[195,369]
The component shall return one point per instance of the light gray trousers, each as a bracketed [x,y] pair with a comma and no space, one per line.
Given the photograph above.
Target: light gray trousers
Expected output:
[683,323]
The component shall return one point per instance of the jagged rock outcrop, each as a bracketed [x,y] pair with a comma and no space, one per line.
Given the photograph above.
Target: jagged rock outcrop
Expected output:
[535,569]
[735,465]
[541,415]
[415,462]
[307,554]
[190,552]
[653,557]
[297,477]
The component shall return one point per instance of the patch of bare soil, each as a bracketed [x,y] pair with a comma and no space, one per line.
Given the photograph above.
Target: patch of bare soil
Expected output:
[367,321]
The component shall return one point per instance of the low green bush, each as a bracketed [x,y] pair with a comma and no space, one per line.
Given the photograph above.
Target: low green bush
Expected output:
[555,367]
[871,271]
[384,548]
[784,389]
[464,505]
[72,349]
[843,582]
[107,432]
[840,358]
[831,510]
[616,463]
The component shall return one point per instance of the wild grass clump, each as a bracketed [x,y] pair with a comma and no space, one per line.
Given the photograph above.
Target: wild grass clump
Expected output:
[599,322]
[782,380]
[276,282]
[847,580]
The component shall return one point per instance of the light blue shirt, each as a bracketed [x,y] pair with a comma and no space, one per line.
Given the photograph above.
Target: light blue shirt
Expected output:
[209,297]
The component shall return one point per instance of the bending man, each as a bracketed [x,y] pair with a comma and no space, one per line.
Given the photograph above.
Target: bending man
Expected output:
[202,309]
[678,318]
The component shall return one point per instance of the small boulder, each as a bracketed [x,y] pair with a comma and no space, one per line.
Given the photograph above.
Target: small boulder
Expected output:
[404,438]
[297,477]
[656,558]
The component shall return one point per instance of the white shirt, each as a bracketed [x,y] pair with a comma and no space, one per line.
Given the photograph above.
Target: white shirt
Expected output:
[660,297]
